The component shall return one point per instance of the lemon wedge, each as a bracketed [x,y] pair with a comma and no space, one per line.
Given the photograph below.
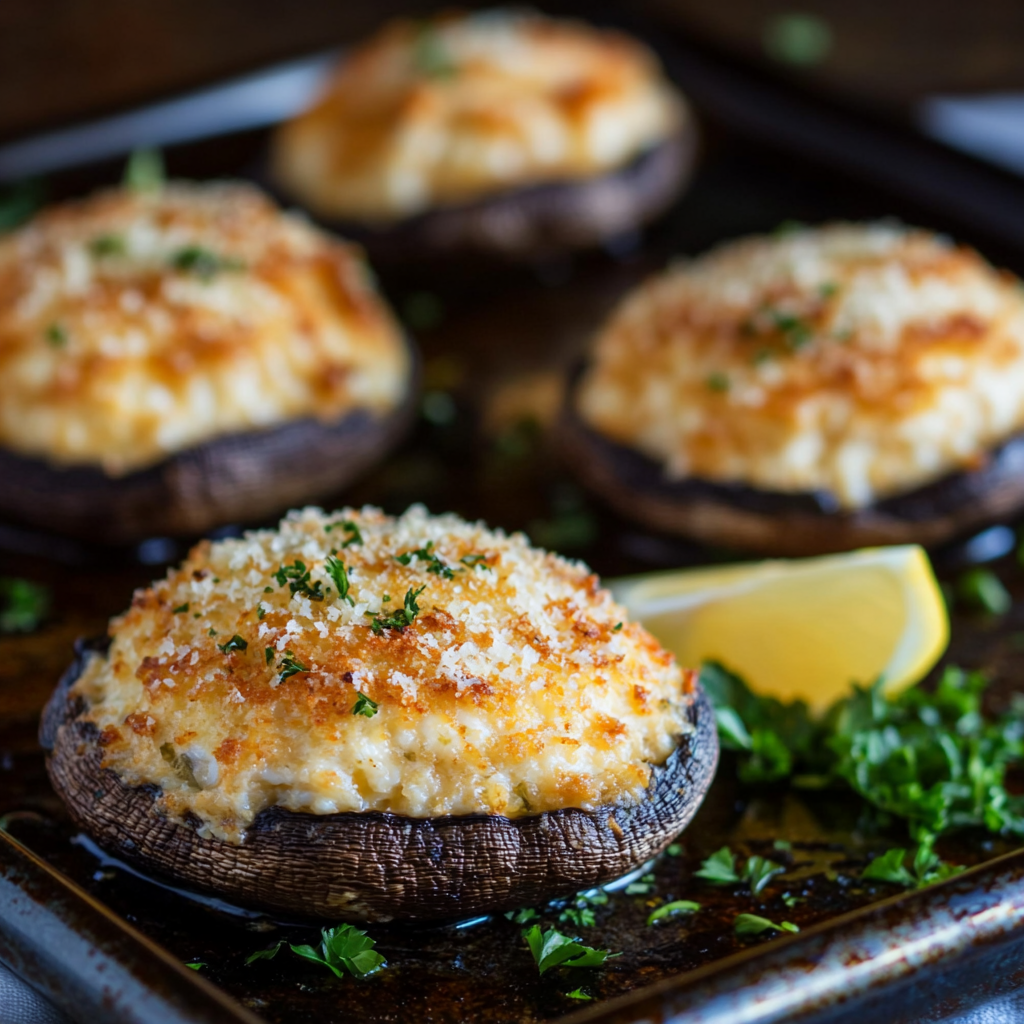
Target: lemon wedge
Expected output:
[803,628]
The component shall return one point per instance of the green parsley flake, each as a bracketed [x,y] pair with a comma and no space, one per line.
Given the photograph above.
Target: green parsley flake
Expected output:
[982,589]
[23,605]
[426,554]
[337,571]
[751,924]
[236,643]
[401,618]
[56,336]
[144,171]
[268,653]
[719,382]
[289,666]
[720,869]
[194,259]
[673,909]
[578,993]
[107,245]
[364,706]
[923,868]
[181,608]
[475,561]
[344,949]
[195,965]
[296,576]
[553,949]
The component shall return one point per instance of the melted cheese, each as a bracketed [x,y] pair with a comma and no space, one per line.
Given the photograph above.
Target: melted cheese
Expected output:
[859,360]
[514,690]
[135,325]
[446,112]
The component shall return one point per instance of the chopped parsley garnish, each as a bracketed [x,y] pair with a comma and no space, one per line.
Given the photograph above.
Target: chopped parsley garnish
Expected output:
[674,849]
[923,868]
[720,869]
[751,924]
[673,909]
[194,259]
[827,289]
[296,576]
[344,948]
[581,912]
[431,56]
[260,611]
[641,887]
[181,608]
[617,627]
[19,204]
[523,916]
[195,965]
[553,949]
[211,632]
[426,554]
[144,171]
[929,757]
[718,382]
[337,571]
[354,536]
[23,605]
[107,245]
[578,993]
[56,336]
[402,617]
[364,706]
[289,666]
[236,643]
[982,588]
[265,954]
[796,332]
[472,561]
[268,653]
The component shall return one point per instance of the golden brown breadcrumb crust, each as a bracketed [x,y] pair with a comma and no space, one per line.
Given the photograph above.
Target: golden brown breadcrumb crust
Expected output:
[135,324]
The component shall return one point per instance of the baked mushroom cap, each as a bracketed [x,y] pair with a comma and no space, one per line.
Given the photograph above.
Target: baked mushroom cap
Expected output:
[813,391]
[267,724]
[504,132]
[175,358]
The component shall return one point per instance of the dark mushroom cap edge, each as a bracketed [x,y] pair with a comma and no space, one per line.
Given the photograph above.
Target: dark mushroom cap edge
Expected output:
[790,524]
[377,867]
[241,477]
[533,222]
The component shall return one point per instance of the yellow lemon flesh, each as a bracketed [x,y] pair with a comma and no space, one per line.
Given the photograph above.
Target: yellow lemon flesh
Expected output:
[804,628]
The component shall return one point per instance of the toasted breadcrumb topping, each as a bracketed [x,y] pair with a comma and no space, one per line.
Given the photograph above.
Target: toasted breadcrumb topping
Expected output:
[136,324]
[860,360]
[257,674]
[429,114]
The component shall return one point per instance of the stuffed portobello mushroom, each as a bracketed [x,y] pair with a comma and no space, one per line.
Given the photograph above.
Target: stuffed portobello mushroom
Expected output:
[367,718]
[502,133]
[817,390]
[184,356]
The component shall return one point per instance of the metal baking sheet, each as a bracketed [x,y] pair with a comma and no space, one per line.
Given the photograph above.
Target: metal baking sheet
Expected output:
[108,944]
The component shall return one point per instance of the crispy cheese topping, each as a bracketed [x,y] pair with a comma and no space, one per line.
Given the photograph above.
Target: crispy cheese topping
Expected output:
[858,360]
[478,675]
[136,324]
[429,114]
